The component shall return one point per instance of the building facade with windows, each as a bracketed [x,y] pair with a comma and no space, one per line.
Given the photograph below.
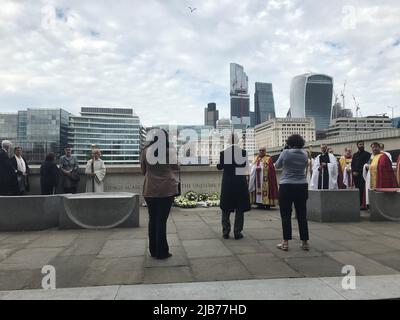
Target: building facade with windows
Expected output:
[351,126]
[311,97]
[274,133]
[240,99]
[264,106]
[117,132]
[211,115]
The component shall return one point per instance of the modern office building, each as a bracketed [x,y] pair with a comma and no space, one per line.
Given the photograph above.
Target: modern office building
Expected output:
[351,126]
[8,126]
[37,131]
[396,122]
[264,106]
[211,115]
[311,96]
[117,132]
[252,119]
[274,132]
[224,124]
[240,99]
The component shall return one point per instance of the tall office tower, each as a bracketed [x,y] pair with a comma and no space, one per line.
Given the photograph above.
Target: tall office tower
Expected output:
[240,99]
[264,105]
[339,112]
[117,132]
[311,96]
[211,115]
[252,119]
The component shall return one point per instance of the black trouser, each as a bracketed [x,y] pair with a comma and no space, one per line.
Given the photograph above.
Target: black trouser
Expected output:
[72,190]
[297,194]
[226,222]
[159,209]
[359,182]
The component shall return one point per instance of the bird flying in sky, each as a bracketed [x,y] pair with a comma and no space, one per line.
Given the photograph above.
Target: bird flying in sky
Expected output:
[192,9]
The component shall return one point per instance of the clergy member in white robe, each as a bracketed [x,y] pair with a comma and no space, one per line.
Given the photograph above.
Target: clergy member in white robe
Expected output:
[324,171]
[96,172]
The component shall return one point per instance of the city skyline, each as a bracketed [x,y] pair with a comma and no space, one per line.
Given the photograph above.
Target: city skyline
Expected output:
[167,63]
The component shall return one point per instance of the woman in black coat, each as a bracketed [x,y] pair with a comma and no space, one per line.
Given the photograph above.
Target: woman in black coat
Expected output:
[234,190]
[49,175]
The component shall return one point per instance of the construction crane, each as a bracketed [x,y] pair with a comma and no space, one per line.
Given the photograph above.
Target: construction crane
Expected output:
[357,105]
[343,95]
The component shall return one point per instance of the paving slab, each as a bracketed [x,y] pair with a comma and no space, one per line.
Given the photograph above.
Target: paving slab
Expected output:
[123,248]
[390,259]
[221,268]
[167,275]
[365,246]
[243,249]
[205,248]
[111,271]
[266,265]
[84,247]
[264,233]
[131,233]
[387,241]
[294,250]
[91,293]
[29,259]
[334,234]
[178,258]
[20,279]
[363,265]
[316,266]
[193,233]
[372,287]
[53,240]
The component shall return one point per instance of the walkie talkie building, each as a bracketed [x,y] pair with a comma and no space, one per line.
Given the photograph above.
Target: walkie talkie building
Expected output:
[311,96]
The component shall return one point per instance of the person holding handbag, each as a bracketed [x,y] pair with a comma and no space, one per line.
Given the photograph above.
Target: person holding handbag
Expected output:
[159,165]
[69,168]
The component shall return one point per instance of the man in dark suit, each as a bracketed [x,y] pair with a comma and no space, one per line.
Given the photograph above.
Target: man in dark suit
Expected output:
[234,190]
[21,166]
[8,177]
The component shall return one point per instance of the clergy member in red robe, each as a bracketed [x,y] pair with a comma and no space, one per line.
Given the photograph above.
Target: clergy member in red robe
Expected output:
[263,185]
[378,173]
[398,170]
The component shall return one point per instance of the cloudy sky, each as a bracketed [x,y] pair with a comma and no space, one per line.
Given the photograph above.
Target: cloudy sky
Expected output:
[168,62]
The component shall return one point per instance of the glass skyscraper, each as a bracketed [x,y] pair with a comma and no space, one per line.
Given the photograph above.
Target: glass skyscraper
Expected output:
[211,115]
[264,105]
[117,132]
[240,99]
[311,96]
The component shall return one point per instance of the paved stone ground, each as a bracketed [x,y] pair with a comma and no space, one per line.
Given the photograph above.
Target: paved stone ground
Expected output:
[85,258]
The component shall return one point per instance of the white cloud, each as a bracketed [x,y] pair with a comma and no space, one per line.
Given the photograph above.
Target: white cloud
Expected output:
[168,63]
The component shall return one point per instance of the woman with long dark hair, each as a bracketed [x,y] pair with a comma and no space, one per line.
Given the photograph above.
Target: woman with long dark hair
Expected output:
[293,189]
[49,175]
[159,166]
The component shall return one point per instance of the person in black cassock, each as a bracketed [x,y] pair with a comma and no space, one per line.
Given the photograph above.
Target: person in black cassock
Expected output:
[8,174]
[360,158]
[234,189]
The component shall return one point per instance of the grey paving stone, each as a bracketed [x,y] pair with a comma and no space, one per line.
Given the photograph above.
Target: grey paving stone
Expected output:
[321,244]
[266,265]
[126,234]
[363,265]
[94,293]
[294,250]
[281,289]
[356,230]
[239,249]
[222,268]
[123,248]
[334,234]
[371,287]
[365,246]
[84,247]
[167,275]
[178,258]
[173,291]
[4,236]
[53,240]
[5,253]
[264,233]
[70,270]
[112,271]
[387,241]
[315,266]
[96,234]
[205,248]
[19,279]
[390,259]
[28,259]
[191,233]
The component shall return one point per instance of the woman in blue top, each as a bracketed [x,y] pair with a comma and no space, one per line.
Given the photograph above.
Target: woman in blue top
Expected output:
[293,188]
